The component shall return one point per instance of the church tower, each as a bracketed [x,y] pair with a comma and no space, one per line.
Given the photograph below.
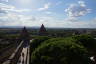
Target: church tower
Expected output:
[42,31]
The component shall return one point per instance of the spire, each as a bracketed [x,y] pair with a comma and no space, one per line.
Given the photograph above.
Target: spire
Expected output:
[24,33]
[42,30]
[24,30]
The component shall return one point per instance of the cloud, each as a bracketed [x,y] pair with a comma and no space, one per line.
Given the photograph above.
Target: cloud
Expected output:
[13,19]
[70,24]
[19,10]
[24,2]
[77,10]
[82,3]
[8,20]
[6,7]
[46,6]
[9,8]
[48,12]
[4,0]
[2,11]
[72,19]
[58,2]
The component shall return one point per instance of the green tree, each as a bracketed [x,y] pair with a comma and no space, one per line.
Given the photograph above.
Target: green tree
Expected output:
[60,51]
[88,42]
[37,41]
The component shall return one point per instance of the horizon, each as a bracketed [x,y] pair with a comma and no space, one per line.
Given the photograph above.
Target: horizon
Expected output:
[53,14]
[37,27]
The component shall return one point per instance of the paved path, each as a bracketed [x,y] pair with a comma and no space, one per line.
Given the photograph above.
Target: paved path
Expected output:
[23,57]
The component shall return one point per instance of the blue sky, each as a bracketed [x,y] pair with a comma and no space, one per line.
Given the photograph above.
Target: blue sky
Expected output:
[51,13]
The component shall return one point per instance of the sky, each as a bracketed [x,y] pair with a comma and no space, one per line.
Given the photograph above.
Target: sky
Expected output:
[51,13]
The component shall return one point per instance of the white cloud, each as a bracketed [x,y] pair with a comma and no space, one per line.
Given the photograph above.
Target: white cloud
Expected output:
[2,11]
[6,7]
[9,8]
[19,10]
[48,12]
[82,3]
[58,2]
[4,0]
[72,19]
[12,19]
[46,6]
[71,24]
[77,10]
[24,2]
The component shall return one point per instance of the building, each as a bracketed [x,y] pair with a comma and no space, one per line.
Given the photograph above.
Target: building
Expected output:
[43,31]
[24,34]
[25,37]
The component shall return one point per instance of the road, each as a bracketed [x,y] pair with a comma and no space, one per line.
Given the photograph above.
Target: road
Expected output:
[24,56]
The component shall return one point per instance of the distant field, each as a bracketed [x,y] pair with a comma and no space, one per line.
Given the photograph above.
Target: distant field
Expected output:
[60,32]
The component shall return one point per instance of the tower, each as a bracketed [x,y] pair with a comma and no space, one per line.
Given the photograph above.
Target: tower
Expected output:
[25,37]
[24,34]
[42,31]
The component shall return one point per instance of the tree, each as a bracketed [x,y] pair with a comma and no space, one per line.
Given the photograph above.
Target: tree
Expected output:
[88,42]
[60,51]
[37,41]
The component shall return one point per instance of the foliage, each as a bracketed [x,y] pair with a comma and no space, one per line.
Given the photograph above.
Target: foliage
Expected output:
[60,51]
[87,41]
[37,41]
